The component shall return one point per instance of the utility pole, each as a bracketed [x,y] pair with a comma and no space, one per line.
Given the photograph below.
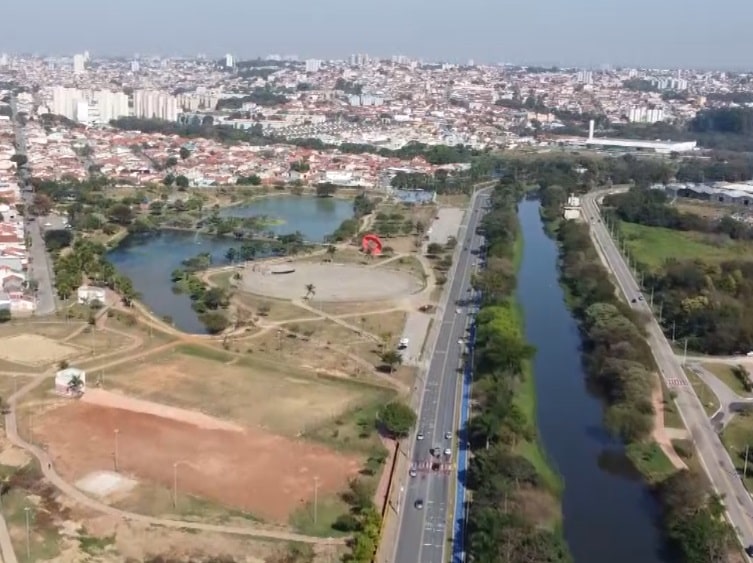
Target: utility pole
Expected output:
[661,309]
[651,300]
[673,331]
[745,466]
[685,353]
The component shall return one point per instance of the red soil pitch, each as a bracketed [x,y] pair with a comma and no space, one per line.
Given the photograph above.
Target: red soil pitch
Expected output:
[266,475]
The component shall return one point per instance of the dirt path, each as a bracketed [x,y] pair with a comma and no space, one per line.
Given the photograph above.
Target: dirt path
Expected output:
[660,435]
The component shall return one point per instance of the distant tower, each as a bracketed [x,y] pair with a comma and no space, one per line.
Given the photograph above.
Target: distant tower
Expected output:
[229,61]
[78,64]
[591,125]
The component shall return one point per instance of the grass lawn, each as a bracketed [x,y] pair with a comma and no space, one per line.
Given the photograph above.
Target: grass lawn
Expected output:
[221,279]
[650,460]
[724,373]
[672,417]
[652,246]
[252,390]
[328,510]
[353,430]
[709,401]
[736,437]
[525,397]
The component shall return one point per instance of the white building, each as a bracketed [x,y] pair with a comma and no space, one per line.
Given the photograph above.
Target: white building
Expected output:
[154,104]
[63,379]
[585,77]
[313,65]
[88,294]
[229,61]
[645,115]
[79,62]
[88,106]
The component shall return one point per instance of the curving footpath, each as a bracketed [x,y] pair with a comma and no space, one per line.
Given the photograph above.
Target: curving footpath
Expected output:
[48,470]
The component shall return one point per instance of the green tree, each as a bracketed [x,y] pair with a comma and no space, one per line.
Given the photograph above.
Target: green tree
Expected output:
[397,418]
[184,153]
[5,315]
[181,181]
[214,321]
[391,358]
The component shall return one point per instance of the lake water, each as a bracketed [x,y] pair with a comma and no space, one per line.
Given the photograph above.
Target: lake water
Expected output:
[150,259]
[610,515]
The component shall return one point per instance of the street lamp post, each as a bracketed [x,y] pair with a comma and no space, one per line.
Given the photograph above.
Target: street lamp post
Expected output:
[115,455]
[316,498]
[175,481]
[28,534]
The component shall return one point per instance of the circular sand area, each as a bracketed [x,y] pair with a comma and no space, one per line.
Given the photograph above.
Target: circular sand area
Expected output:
[332,282]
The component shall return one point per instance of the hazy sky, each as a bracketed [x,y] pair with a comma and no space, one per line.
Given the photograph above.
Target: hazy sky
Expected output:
[698,33]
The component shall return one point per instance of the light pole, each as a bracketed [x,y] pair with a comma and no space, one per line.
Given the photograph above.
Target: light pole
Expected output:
[685,353]
[316,498]
[115,455]
[175,481]
[28,533]
[745,465]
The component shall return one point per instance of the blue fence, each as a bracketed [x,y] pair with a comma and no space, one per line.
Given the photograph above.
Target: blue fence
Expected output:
[458,544]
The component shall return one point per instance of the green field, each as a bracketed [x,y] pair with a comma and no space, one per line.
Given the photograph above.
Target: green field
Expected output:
[738,435]
[652,246]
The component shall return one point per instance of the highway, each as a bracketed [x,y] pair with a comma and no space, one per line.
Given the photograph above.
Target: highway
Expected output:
[423,533]
[712,454]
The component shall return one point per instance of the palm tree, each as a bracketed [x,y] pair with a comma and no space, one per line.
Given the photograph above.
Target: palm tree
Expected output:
[75,385]
[310,290]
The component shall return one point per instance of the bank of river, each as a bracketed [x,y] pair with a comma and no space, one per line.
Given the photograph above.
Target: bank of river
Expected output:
[609,513]
[148,260]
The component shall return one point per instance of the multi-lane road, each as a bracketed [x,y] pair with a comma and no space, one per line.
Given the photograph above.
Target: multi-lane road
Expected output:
[424,532]
[712,454]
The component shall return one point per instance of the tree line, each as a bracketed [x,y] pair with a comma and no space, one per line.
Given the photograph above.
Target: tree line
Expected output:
[501,479]
[704,302]
[619,363]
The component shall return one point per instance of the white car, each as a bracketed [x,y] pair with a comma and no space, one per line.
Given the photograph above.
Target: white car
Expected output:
[403,343]
[412,473]
[448,452]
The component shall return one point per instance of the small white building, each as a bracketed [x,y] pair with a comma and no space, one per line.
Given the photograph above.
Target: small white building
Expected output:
[88,294]
[63,380]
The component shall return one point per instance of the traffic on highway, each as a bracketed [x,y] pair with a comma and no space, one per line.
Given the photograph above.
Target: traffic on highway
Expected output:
[425,506]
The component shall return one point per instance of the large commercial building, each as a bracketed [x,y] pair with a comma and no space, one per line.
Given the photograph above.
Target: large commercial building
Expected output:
[664,147]
[732,193]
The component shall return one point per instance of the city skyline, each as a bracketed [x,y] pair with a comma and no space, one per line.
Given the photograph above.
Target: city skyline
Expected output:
[548,32]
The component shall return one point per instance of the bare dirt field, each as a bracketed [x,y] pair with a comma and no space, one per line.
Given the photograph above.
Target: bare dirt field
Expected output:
[332,282]
[252,392]
[266,475]
[34,350]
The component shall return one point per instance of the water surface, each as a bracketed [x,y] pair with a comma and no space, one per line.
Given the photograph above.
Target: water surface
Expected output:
[610,515]
[150,259]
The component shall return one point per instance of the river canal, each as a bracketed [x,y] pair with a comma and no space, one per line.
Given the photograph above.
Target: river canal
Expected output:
[150,259]
[610,515]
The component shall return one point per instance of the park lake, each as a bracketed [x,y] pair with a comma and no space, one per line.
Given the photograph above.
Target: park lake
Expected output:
[150,259]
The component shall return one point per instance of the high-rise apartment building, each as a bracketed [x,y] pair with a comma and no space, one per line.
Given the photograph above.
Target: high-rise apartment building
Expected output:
[585,77]
[79,62]
[88,106]
[154,104]
[229,61]
[313,65]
